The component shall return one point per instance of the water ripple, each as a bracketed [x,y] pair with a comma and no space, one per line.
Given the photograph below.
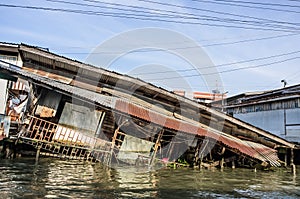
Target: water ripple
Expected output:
[53,178]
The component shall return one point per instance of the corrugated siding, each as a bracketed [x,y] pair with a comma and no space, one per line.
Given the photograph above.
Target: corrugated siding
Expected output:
[273,121]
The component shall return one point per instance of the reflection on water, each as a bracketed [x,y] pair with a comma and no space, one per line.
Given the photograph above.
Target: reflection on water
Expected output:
[53,178]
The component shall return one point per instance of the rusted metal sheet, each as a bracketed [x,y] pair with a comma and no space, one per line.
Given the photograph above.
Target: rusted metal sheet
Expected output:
[49,75]
[44,111]
[209,96]
[257,151]
[157,118]
[48,104]
[265,153]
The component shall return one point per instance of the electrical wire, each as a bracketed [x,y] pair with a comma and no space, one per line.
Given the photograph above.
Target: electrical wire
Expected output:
[227,3]
[170,11]
[139,17]
[122,9]
[225,64]
[227,71]
[217,12]
[249,40]
[259,3]
[186,15]
[185,47]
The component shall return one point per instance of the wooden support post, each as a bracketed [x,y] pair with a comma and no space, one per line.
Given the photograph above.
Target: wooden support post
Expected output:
[222,160]
[170,151]
[293,166]
[285,159]
[222,163]
[292,156]
[205,142]
[112,146]
[37,155]
[113,143]
[99,127]
[233,164]
[197,154]
[157,144]
[293,169]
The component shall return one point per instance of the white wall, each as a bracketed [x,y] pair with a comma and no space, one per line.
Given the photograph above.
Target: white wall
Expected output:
[3,83]
[3,95]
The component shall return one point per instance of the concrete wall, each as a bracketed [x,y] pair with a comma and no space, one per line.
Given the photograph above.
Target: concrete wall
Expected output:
[273,121]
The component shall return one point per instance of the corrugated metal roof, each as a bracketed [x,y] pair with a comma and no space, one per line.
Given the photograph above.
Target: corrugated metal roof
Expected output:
[254,150]
[265,96]
[264,153]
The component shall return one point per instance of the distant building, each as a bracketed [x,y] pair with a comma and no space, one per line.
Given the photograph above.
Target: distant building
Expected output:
[202,96]
[276,111]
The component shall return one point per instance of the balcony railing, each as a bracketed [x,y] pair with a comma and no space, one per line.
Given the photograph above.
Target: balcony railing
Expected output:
[65,141]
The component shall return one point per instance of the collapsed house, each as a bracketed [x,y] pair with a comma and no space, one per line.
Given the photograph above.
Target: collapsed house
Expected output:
[65,108]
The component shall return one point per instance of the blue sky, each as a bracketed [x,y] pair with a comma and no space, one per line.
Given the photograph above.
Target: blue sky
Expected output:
[77,35]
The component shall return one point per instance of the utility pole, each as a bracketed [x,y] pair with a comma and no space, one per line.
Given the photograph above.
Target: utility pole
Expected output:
[284,83]
[284,111]
[223,104]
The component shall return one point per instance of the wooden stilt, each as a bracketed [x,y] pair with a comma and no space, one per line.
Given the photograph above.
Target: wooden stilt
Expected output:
[292,156]
[206,142]
[293,169]
[37,155]
[222,163]
[222,160]
[157,144]
[113,143]
[293,166]
[170,151]
[285,159]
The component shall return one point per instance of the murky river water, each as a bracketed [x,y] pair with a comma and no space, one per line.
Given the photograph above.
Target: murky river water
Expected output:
[53,178]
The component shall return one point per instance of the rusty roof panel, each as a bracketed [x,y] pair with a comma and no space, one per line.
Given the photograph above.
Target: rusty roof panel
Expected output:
[254,150]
